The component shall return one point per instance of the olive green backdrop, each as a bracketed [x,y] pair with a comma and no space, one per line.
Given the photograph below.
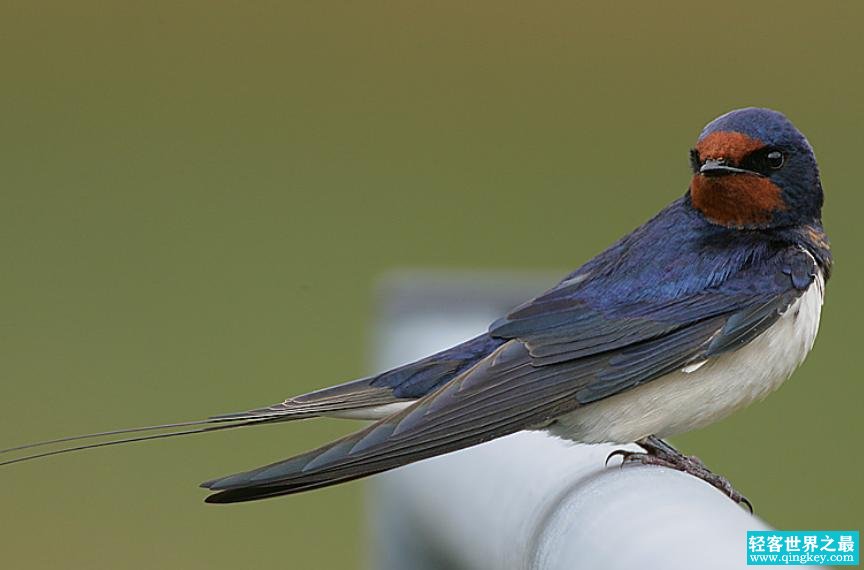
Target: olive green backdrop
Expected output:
[198,198]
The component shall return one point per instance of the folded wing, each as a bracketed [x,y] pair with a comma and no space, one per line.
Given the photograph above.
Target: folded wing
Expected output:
[545,367]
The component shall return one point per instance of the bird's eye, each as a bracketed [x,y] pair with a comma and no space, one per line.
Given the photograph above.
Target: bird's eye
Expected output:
[775,159]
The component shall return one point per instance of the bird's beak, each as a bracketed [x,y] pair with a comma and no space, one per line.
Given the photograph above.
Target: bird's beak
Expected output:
[718,167]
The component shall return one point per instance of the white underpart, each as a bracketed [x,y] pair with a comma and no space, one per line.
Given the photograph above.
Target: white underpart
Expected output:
[374,413]
[706,391]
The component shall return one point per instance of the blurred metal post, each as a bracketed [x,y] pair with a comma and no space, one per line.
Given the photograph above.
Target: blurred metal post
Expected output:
[529,500]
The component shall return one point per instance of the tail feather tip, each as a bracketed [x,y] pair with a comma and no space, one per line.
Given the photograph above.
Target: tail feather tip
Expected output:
[222,483]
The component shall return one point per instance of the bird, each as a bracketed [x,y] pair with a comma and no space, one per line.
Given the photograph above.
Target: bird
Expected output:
[707,307]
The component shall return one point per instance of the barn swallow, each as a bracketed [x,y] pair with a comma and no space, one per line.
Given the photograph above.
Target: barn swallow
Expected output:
[707,307]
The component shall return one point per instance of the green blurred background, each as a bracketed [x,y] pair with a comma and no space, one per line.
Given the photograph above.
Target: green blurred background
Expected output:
[198,198]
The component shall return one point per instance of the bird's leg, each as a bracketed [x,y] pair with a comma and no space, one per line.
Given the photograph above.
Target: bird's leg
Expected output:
[658,452]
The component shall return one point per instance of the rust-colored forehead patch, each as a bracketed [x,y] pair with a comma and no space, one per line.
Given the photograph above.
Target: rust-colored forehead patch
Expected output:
[730,145]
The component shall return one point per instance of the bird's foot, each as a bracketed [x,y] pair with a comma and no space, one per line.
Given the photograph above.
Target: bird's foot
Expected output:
[658,452]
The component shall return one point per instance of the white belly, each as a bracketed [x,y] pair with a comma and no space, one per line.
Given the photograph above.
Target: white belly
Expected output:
[702,394]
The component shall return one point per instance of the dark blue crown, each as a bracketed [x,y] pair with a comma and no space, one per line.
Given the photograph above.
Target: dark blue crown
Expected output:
[769,126]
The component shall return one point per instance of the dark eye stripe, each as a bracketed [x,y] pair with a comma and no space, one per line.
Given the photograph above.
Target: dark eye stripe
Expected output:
[695,162]
[764,161]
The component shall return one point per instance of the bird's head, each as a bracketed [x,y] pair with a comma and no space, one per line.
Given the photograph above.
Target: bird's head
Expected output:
[752,169]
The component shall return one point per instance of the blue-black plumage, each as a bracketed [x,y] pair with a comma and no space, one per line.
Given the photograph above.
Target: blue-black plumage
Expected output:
[677,300]
[705,308]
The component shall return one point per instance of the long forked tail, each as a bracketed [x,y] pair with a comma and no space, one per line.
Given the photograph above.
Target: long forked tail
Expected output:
[352,397]
[373,397]
[211,424]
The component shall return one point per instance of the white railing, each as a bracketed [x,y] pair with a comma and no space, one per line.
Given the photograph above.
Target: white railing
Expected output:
[530,501]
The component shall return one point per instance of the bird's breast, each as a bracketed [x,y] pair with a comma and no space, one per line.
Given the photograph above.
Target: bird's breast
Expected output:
[699,395]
